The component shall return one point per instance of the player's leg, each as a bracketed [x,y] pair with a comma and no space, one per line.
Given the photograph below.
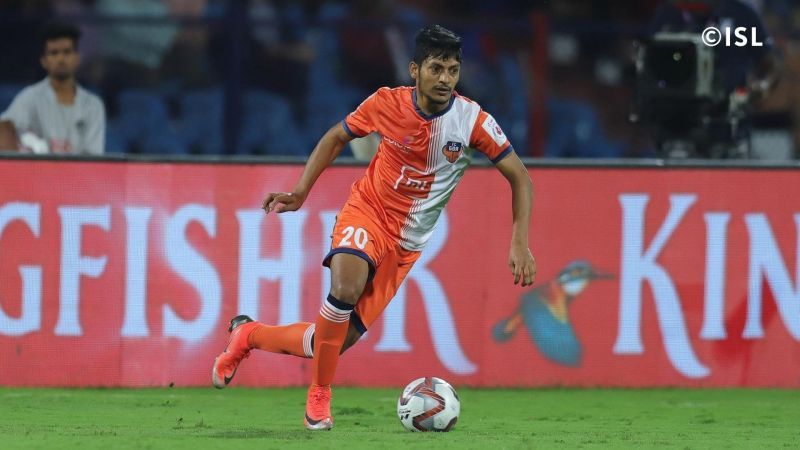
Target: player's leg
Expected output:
[377,294]
[356,238]
[353,335]
[358,246]
[246,334]
[293,339]
[349,275]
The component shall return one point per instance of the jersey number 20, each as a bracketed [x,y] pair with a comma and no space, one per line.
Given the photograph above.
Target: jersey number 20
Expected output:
[359,236]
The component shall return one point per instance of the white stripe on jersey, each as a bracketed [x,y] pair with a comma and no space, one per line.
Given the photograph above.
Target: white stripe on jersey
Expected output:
[456,125]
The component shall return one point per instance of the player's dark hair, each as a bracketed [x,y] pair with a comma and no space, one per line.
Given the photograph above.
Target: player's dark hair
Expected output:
[436,42]
[57,30]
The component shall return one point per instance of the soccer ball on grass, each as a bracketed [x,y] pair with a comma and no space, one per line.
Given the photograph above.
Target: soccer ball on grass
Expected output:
[428,404]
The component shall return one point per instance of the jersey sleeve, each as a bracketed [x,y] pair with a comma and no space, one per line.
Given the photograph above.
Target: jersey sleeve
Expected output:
[488,138]
[363,120]
[95,142]
[20,111]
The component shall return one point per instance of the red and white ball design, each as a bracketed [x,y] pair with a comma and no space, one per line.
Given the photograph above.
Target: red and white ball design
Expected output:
[428,404]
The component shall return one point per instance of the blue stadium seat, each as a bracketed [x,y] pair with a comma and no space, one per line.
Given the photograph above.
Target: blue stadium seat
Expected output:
[328,100]
[7,94]
[268,126]
[145,109]
[332,11]
[117,140]
[143,124]
[164,142]
[513,115]
[575,131]
[513,78]
[202,121]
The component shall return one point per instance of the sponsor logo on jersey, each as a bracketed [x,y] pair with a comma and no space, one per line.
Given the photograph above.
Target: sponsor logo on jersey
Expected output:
[493,129]
[398,145]
[452,150]
[414,183]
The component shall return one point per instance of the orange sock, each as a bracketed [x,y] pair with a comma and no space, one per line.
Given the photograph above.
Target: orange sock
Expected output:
[330,333]
[294,339]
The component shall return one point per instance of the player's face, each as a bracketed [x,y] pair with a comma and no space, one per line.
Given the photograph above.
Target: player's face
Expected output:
[436,79]
[60,58]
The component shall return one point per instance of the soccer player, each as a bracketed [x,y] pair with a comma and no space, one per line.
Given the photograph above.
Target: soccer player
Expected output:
[391,212]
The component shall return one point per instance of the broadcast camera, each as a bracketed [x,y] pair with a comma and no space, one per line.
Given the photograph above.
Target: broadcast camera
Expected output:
[682,99]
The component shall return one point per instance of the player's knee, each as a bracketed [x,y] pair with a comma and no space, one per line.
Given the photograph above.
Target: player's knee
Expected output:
[346,292]
[352,337]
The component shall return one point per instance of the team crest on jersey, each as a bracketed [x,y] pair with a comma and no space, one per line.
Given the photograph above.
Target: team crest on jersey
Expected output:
[452,150]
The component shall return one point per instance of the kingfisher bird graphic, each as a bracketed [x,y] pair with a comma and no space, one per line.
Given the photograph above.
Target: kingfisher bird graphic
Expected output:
[544,311]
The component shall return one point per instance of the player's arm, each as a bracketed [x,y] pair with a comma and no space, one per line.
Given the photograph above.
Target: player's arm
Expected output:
[14,120]
[765,77]
[8,136]
[520,259]
[327,149]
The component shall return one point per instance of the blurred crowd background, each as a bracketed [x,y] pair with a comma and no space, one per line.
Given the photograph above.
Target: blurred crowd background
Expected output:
[268,77]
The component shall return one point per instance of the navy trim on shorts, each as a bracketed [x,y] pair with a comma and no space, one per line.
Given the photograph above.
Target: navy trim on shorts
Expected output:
[503,154]
[327,261]
[356,321]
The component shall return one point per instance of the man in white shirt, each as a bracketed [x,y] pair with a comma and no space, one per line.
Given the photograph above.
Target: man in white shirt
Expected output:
[56,115]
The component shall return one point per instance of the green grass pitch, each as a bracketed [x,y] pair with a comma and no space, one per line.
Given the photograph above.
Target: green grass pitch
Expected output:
[239,418]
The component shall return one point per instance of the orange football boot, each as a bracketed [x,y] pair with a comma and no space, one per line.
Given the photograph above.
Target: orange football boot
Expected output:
[318,408]
[227,362]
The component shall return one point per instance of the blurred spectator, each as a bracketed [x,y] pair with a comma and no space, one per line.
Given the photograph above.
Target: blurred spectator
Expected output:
[141,45]
[375,45]
[133,45]
[265,69]
[187,59]
[777,116]
[56,115]
[279,54]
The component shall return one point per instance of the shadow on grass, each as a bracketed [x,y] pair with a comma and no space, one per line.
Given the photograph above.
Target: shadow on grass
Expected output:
[354,411]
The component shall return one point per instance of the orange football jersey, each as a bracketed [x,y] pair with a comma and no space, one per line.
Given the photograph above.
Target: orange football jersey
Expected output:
[420,159]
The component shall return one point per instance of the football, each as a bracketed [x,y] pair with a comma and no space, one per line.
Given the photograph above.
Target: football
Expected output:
[428,404]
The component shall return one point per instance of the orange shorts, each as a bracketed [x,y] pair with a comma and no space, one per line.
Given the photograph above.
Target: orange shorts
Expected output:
[355,232]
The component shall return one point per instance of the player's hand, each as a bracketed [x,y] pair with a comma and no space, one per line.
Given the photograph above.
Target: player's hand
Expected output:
[282,202]
[522,265]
